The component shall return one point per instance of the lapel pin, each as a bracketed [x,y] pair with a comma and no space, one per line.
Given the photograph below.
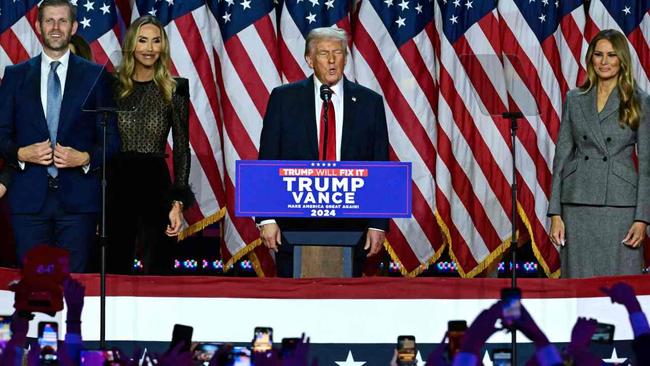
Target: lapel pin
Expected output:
[354,99]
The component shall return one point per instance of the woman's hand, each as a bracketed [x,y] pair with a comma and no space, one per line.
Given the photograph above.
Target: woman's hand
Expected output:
[557,230]
[175,219]
[635,235]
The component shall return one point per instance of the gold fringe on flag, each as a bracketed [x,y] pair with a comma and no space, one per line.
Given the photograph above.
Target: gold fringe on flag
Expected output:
[202,224]
[416,272]
[257,266]
[497,253]
[538,254]
[241,253]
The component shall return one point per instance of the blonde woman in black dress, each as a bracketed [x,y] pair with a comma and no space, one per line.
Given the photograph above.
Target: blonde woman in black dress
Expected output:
[146,205]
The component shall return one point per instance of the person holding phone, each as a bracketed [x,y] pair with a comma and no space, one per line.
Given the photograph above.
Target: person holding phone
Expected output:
[145,204]
[600,205]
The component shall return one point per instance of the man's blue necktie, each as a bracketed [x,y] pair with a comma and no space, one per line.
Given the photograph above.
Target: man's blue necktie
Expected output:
[53,109]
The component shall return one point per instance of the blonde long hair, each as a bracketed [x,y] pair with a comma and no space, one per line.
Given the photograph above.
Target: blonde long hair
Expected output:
[162,77]
[629,111]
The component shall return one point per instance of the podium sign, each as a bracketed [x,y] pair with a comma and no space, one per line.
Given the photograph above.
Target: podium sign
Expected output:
[323,189]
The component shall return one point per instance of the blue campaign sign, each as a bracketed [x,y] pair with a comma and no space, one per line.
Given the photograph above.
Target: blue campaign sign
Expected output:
[337,189]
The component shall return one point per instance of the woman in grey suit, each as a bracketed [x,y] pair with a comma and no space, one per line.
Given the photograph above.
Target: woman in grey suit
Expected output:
[600,204]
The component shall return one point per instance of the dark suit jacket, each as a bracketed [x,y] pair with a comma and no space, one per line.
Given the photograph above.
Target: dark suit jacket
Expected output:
[593,156]
[22,123]
[289,133]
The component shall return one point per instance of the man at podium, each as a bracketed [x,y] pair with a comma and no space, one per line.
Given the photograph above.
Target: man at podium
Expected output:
[296,127]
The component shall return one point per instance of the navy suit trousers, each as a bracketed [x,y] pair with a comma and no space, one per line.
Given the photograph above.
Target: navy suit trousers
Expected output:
[52,225]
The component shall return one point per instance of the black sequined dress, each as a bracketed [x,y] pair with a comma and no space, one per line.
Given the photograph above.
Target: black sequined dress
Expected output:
[140,189]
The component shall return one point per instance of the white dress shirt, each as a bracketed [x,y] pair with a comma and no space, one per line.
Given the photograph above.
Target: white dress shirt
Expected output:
[337,101]
[62,72]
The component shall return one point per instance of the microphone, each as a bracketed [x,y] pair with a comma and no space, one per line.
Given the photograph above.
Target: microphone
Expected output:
[325,93]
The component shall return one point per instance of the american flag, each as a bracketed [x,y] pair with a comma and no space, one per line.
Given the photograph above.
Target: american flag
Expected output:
[424,56]
[544,41]
[101,25]
[632,17]
[298,17]
[473,169]
[18,39]
[247,67]
[393,54]
[191,55]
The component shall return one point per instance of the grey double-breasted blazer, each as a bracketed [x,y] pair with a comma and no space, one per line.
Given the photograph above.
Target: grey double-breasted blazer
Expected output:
[593,156]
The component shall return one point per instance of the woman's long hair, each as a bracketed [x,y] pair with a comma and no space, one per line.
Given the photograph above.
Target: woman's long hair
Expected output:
[125,71]
[629,111]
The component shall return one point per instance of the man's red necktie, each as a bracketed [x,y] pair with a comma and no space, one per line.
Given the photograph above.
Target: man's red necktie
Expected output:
[331,133]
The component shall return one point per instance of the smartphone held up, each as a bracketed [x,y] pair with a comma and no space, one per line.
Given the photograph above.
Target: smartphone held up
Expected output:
[406,350]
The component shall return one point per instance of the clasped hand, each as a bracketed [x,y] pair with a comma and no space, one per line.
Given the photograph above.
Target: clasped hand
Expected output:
[42,153]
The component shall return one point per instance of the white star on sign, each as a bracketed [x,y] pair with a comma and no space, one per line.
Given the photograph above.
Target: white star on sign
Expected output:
[487,361]
[226,17]
[614,358]
[401,22]
[153,12]
[329,4]
[89,5]
[404,5]
[626,10]
[311,17]
[246,4]
[420,361]
[85,22]
[105,9]
[350,361]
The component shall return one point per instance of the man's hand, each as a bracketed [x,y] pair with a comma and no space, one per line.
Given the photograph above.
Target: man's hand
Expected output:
[271,236]
[67,157]
[374,241]
[3,190]
[38,153]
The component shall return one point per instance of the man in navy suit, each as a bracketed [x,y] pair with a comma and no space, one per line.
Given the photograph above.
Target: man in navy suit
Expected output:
[356,131]
[54,146]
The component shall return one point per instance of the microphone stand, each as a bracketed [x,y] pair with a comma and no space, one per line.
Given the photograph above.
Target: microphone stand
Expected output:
[103,238]
[326,96]
[513,117]
[326,126]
